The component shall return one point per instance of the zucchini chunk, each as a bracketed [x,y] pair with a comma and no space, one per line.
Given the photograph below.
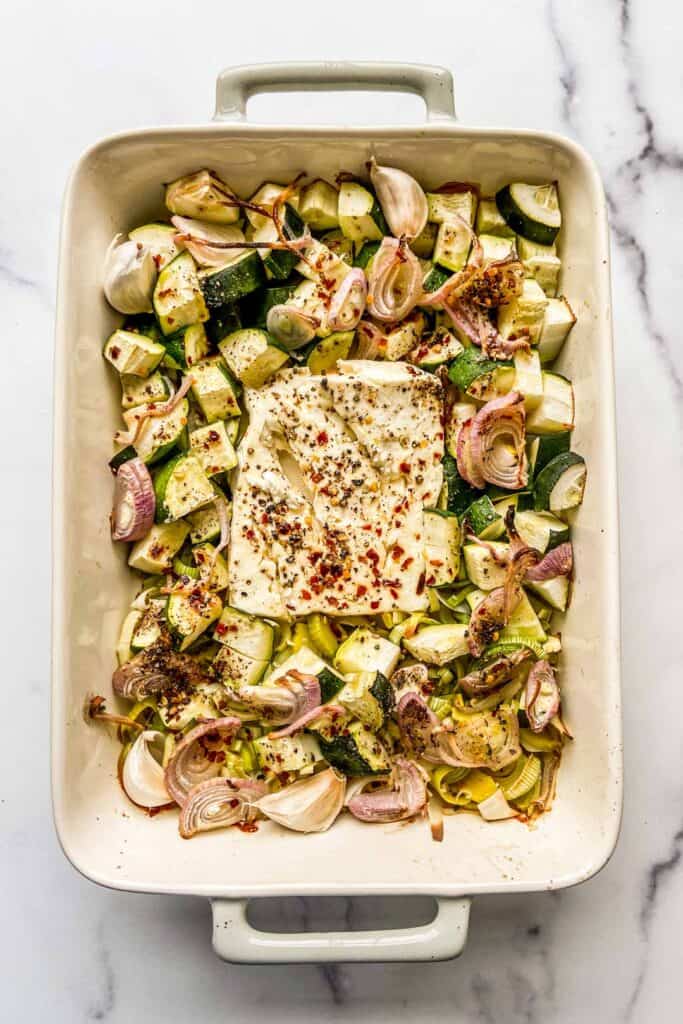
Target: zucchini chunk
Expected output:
[123,647]
[494,247]
[265,196]
[154,553]
[279,263]
[442,347]
[484,519]
[190,615]
[555,414]
[354,751]
[186,347]
[554,592]
[212,568]
[287,753]
[160,238]
[246,634]
[404,336]
[531,210]
[542,263]
[215,390]
[368,696]
[360,215]
[528,378]
[213,448]
[542,449]
[456,495]
[442,547]
[136,391]
[159,435]
[324,355]
[256,306]
[560,485]
[181,486]
[242,275]
[475,374]
[205,525]
[490,221]
[423,245]
[133,354]
[541,530]
[437,645]
[365,651]
[524,313]
[319,205]
[481,567]
[557,323]
[178,299]
[337,242]
[252,356]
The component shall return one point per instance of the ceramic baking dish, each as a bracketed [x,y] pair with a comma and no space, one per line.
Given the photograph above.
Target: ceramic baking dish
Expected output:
[116,185]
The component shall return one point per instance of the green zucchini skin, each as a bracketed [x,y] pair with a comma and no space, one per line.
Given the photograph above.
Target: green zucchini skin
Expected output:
[330,685]
[471,364]
[116,461]
[229,283]
[224,320]
[550,475]
[550,445]
[459,494]
[520,223]
[254,308]
[435,277]
[342,753]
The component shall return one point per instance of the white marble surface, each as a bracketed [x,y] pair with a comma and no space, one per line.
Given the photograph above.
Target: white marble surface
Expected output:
[606,72]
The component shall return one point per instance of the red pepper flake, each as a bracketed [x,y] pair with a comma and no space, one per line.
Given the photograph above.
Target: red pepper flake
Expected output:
[361,590]
[420,584]
[221,629]
[323,437]
[115,352]
[367,526]
[397,552]
[404,467]
[374,605]
[372,556]
[250,534]
[407,563]
[306,594]
[394,593]
[213,435]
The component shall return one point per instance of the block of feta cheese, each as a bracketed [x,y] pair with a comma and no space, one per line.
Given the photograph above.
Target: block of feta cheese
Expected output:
[334,472]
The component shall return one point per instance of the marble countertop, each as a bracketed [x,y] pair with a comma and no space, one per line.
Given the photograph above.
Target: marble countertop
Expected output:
[606,73]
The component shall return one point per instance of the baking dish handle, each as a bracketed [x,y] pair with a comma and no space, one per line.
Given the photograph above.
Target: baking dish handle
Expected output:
[236,85]
[236,941]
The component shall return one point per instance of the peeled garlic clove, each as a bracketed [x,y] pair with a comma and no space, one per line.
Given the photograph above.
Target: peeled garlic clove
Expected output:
[496,807]
[143,776]
[130,274]
[403,202]
[309,805]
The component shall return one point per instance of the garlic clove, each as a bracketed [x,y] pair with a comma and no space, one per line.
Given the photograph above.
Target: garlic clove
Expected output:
[143,776]
[496,807]
[403,202]
[130,274]
[309,805]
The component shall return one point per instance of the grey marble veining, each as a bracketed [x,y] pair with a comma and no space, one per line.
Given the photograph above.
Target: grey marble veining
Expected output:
[607,73]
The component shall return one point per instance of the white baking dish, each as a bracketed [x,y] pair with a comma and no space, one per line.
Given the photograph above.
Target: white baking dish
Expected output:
[115,186]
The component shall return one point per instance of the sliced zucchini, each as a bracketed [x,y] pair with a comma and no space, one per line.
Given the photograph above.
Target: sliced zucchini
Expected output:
[423,245]
[287,753]
[155,552]
[482,569]
[160,239]
[542,263]
[213,448]
[557,323]
[524,315]
[442,205]
[159,435]
[360,215]
[123,455]
[228,318]
[365,255]
[528,378]
[456,495]
[190,615]
[181,486]
[490,221]
[242,275]
[442,347]
[324,355]
[480,377]
[434,277]
[246,634]
[541,449]
[306,297]
[523,622]
[133,354]
[178,299]
[148,629]
[256,306]
[355,751]
[215,390]
[437,645]
[252,356]
[368,696]
[554,592]
[452,245]
[365,651]
[205,525]
[279,263]
[555,414]
[187,347]
[531,210]
[484,520]
[302,660]
[136,391]
[319,205]
[233,668]
[560,485]
[541,530]
[442,547]
[337,242]
[494,247]
[202,195]
[405,336]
